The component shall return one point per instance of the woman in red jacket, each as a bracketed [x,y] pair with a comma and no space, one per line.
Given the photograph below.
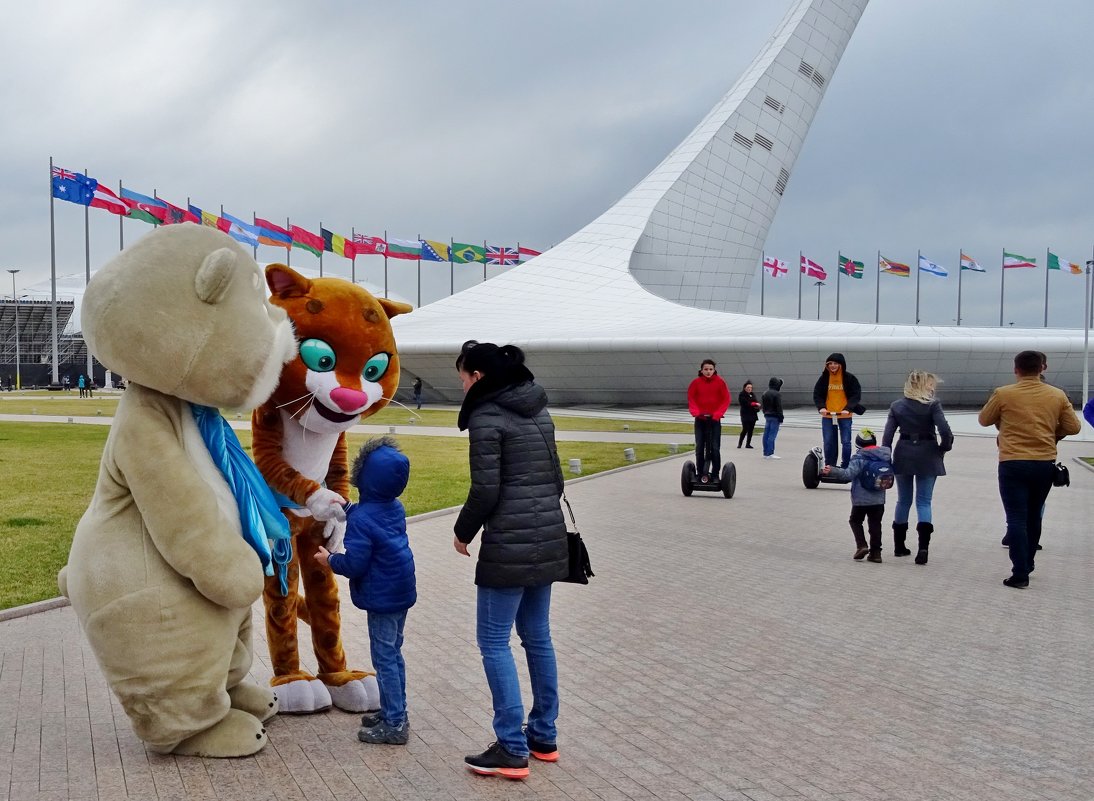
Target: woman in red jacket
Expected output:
[708,400]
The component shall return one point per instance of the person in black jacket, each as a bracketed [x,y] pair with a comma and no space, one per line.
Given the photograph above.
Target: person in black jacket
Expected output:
[516,484]
[837,392]
[772,404]
[750,413]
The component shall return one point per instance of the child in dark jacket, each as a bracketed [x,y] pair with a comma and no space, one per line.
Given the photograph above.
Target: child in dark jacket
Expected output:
[380,567]
[866,502]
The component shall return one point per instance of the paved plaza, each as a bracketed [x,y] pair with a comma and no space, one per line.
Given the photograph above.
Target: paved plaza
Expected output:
[727,650]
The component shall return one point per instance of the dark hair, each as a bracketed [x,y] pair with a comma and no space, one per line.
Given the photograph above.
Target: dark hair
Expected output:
[704,363]
[487,358]
[1029,362]
[745,384]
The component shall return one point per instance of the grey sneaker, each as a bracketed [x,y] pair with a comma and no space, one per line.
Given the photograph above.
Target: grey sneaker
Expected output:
[383,733]
[370,719]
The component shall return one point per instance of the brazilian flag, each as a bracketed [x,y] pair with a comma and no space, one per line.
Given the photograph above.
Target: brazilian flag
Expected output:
[467,254]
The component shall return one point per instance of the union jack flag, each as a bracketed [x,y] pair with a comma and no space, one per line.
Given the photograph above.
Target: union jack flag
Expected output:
[59,172]
[501,255]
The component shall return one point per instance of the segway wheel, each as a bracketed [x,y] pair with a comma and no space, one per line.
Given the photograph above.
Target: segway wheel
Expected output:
[811,471]
[687,478]
[728,479]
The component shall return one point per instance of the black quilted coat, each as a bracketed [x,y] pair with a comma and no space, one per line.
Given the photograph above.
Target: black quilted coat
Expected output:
[516,483]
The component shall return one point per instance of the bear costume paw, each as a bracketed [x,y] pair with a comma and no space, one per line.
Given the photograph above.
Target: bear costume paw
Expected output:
[254,700]
[303,697]
[237,734]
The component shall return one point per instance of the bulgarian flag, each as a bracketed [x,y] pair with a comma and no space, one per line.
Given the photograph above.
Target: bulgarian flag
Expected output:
[1054,263]
[851,268]
[410,249]
[1013,260]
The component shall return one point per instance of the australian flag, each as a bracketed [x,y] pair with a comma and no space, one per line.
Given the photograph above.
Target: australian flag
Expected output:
[72,186]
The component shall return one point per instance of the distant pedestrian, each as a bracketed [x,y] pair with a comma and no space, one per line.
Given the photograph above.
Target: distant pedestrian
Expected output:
[867,500]
[81,383]
[418,392]
[750,413]
[925,437]
[708,400]
[1032,417]
[771,403]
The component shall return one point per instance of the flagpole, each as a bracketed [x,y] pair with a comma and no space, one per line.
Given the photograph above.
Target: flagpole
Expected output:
[121,218]
[288,255]
[451,268]
[1047,271]
[419,271]
[838,271]
[763,258]
[960,275]
[484,261]
[918,270]
[353,261]
[877,289]
[87,271]
[52,269]
[385,262]
[1086,335]
[800,257]
[1002,284]
[254,222]
[321,251]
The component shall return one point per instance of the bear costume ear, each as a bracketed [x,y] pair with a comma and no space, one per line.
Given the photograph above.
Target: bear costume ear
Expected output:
[286,282]
[215,275]
[393,307]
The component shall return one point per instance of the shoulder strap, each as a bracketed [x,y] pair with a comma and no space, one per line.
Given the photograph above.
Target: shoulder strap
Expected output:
[558,474]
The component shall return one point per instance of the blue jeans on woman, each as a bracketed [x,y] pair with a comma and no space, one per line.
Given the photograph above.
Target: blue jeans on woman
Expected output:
[499,608]
[385,640]
[828,435]
[771,430]
[924,491]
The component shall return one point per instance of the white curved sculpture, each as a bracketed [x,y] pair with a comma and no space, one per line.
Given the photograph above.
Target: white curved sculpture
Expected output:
[624,310]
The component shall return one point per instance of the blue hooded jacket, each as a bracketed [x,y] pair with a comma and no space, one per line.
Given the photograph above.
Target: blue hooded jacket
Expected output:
[378,561]
[860,496]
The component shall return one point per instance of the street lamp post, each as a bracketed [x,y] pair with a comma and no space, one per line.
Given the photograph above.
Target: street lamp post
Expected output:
[15,300]
[1086,336]
[819,284]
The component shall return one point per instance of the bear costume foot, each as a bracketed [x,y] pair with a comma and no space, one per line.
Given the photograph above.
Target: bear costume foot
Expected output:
[237,734]
[302,697]
[359,695]
[254,700]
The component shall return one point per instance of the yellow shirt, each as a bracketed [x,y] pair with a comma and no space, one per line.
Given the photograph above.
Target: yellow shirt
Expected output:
[1032,417]
[836,400]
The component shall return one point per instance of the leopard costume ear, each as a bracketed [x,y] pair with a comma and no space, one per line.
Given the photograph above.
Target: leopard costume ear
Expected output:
[393,307]
[286,282]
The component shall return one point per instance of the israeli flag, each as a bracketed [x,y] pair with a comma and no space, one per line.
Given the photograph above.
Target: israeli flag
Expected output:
[928,266]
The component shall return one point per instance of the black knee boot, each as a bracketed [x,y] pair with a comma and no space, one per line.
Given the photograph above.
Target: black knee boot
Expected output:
[741,439]
[900,534]
[924,530]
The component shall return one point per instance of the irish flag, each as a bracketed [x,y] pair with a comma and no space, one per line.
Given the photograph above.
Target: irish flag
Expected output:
[1055,263]
[1012,260]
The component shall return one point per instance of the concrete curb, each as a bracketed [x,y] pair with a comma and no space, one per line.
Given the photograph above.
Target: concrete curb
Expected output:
[32,609]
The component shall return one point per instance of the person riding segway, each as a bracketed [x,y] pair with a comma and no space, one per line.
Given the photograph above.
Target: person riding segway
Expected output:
[708,401]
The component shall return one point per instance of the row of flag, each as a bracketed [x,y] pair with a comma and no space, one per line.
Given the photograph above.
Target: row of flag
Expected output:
[855,269]
[77,188]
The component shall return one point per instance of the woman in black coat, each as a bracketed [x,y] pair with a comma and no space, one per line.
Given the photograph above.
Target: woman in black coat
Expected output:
[750,413]
[516,483]
[917,458]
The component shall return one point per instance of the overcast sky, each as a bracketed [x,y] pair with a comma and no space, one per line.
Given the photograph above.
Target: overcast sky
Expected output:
[948,125]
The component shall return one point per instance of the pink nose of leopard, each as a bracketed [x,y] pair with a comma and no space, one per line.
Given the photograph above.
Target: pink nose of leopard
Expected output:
[348,400]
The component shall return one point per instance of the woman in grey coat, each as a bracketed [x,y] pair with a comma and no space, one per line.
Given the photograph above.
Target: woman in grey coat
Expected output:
[917,458]
[516,483]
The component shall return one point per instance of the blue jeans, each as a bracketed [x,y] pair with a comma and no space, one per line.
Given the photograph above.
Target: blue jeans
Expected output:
[385,639]
[1024,486]
[530,609]
[771,430]
[924,491]
[828,433]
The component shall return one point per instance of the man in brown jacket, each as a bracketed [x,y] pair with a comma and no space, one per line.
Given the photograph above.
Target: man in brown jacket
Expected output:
[1032,417]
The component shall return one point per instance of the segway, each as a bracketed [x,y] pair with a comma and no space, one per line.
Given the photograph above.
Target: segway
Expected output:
[725,482]
[813,466]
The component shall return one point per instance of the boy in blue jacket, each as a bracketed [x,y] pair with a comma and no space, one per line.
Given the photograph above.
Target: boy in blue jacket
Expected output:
[866,502]
[380,567]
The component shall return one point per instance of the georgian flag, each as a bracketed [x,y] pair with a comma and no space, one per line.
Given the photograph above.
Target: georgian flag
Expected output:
[775,266]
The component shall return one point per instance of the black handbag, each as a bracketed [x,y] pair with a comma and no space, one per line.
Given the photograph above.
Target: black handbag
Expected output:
[581,569]
[1060,476]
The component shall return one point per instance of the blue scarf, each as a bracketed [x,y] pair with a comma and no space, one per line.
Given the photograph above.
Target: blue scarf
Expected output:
[259,514]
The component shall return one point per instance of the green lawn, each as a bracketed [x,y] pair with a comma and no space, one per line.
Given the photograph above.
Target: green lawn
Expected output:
[48,473]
